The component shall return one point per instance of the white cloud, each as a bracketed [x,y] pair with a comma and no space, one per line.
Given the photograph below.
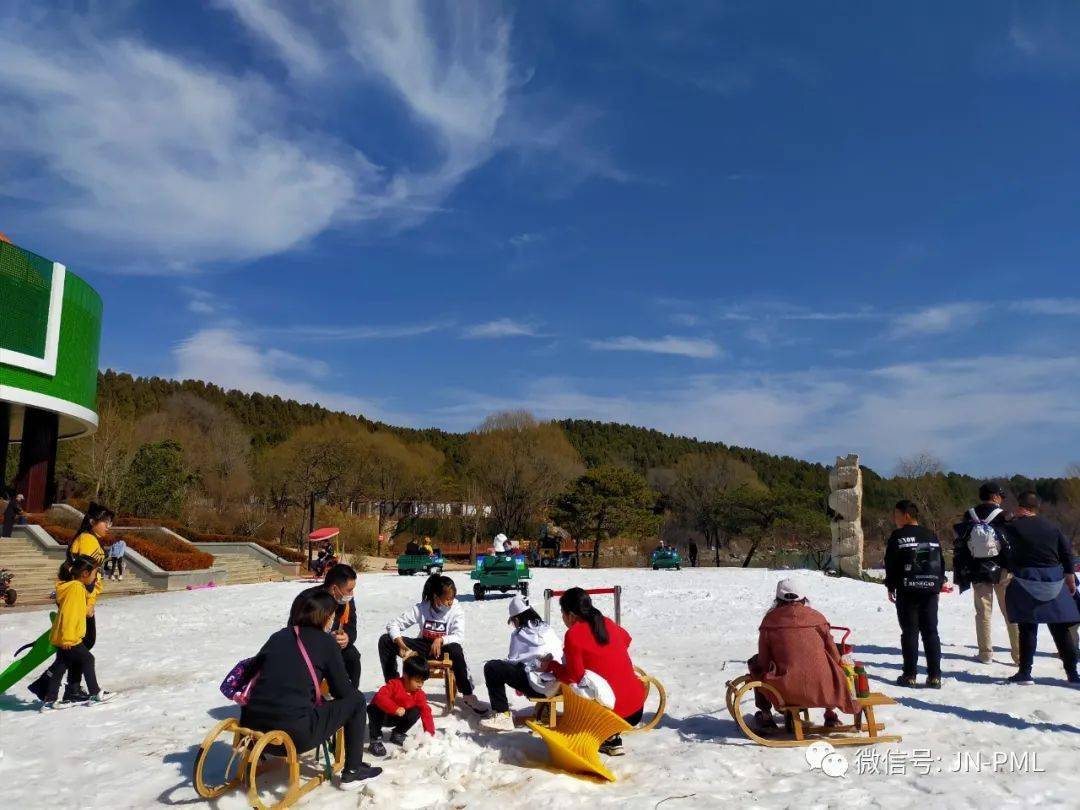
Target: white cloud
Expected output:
[268,21]
[936,320]
[1048,306]
[501,328]
[668,344]
[1030,424]
[361,331]
[230,359]
[166,158]
[519,240]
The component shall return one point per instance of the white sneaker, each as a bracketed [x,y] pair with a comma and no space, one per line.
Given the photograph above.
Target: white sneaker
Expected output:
[499,721]
[101,697]
[474,703]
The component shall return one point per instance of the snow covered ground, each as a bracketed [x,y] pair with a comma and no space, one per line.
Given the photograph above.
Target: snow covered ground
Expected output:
[166,654]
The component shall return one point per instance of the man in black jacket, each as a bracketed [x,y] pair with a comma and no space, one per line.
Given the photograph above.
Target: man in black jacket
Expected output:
[1043,588]
[914,574]
[988,577]
[340,580]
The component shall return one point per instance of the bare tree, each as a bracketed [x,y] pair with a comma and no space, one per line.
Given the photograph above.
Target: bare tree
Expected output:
[519,465]
[101,461]
[703,487]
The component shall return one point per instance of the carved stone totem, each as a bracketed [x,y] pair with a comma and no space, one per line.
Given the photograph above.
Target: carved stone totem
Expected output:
[845,501]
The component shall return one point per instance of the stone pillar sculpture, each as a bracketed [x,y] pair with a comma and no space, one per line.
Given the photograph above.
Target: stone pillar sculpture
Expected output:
[845,501]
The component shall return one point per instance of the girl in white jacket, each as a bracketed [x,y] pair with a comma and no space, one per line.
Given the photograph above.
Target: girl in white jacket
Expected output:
[442,630]
[530,642]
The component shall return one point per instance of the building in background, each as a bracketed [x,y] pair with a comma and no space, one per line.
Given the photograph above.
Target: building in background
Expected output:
[50,332]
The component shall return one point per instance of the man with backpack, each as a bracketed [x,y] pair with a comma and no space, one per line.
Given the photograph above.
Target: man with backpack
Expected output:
[980,556]
[914,574]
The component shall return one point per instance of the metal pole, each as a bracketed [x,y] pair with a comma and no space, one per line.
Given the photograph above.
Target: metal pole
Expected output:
[618,604]
[547,605]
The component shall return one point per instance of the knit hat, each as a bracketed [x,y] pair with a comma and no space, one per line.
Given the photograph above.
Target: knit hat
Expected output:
[790,590]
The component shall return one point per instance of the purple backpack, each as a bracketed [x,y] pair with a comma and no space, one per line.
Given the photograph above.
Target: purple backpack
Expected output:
[237,684]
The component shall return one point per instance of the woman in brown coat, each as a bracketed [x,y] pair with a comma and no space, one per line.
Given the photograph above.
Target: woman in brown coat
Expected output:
[798,657]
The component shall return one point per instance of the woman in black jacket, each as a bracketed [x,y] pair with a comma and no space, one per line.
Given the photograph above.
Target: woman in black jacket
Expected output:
[284,696]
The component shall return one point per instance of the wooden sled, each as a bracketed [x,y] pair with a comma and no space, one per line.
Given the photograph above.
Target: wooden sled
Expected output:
[864,730]
[441,668]
[547,708]
[575,745]
[248,748]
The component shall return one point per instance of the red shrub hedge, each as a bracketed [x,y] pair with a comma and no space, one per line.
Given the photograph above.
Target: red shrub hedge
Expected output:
[167,553]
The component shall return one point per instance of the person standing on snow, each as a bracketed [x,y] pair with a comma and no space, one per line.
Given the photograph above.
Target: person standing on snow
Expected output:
[691,550]
[1043,587]
[914,574]
[979,563]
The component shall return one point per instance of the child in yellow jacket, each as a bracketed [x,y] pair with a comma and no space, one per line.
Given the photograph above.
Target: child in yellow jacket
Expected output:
[73,599]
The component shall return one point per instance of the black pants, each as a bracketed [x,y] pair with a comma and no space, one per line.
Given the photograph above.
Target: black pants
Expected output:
[388,657]
[500,674]
[378,720]
[77,658]
[73,669]
[320,725]
[917,613]
[1029,634]
[114,565]
[350,656]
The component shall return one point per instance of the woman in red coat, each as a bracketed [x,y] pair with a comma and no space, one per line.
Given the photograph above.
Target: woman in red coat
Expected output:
[596,662]
[798,657]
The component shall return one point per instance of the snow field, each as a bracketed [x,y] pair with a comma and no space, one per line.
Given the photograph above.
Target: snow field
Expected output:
[166,654]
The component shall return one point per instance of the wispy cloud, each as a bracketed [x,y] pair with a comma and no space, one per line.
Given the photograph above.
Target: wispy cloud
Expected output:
[1048,306]
[361,331]
[231,359]
[520,240]
[165,157]
[936,320]
[668,344]
[174,163]
[820,413]
[502,328]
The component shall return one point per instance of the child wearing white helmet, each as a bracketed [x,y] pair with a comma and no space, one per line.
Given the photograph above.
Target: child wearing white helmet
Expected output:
[530,642]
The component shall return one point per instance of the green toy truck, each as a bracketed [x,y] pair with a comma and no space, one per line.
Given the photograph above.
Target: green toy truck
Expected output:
[409,564]
[666,558]
[500,572]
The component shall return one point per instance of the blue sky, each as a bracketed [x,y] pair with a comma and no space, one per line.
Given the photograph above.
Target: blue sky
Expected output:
[808,228]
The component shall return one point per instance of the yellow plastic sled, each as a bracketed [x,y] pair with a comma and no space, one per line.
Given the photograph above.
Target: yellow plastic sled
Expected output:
[575,745]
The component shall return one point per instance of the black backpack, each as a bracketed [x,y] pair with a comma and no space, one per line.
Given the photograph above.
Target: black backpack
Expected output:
[923,566]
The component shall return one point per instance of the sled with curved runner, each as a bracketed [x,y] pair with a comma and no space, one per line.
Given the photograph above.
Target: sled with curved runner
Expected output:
[39,650]
[252,749]
[864,730]
[547,708]
[574,745]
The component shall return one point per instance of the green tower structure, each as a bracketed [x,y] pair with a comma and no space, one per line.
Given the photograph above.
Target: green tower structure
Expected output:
[50,333]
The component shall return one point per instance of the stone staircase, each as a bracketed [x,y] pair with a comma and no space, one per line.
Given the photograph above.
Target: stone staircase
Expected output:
[243,569]
[35,573]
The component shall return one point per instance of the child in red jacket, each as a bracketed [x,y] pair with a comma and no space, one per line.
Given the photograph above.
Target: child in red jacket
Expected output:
[400,703]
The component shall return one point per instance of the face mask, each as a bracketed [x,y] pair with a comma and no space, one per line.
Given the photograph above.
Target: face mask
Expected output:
[343,600]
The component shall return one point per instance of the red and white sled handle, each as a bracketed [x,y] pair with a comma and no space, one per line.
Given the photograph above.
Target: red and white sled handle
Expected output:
[847,632]
[615,590]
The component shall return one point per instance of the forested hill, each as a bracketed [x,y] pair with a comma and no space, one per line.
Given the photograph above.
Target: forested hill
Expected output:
[271,419]
[644,449]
